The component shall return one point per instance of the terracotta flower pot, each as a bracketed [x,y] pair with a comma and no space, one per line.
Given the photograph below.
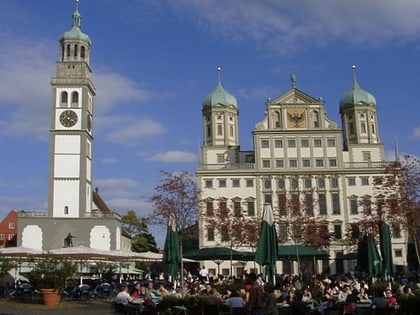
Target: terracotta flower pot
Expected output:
[51,297]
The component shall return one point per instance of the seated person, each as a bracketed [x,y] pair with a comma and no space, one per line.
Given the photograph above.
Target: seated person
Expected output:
[123,296]
[235,302]
[363,296]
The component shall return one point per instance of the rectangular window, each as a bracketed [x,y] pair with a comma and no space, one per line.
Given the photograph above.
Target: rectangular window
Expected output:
[235,183]
[282,233]
[398,253]
[366,155]
[251,208]
[66,209]
[265,144]
[304,143]
[11,237]
[353,206]
[209,208]
[317,143]
[365,180]
[282,204]
[319,163]
[266,163]
[280,163]
[396,231]
[367,207]
[268,199]
[210,234]
[249,183]
[295,203]
[278,143]
[208,183]
[220,158]
[222,183]
[331,143]
[306,163]
[332,162]
[11,225]
[293,163]
[337,231]
[322,204]
[291,143]
[249,158]
[309,205]
[335,198]
[1,237]
[223,208]
[224,234]
[237,211]
[351,181]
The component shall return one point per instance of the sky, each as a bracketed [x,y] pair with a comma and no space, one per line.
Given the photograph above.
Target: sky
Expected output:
[154,62]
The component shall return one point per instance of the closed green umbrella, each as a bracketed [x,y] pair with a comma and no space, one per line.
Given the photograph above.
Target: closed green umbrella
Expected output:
[374,260]
[386,251]
[267,250]
[171,256]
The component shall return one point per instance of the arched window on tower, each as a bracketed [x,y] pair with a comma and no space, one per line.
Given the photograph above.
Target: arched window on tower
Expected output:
[315,119]
[373,128]
[62,52]
[277,120]
[64,99]
[231,131]
[82,52]
[68,51]
[74,99]
[76,50]
[363,127]
[219,130]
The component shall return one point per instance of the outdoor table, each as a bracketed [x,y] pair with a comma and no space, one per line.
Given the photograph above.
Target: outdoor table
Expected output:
[283,309]
[363,309]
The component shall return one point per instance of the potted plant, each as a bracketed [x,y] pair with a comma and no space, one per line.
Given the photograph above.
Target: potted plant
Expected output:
[51,275]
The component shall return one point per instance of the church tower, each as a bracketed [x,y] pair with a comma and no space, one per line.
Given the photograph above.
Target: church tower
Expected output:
[220,126]
[360,125]
[70,174]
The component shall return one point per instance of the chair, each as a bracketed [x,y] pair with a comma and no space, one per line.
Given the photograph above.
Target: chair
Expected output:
[211,309]
[348,308]
[238,311]
[381,311]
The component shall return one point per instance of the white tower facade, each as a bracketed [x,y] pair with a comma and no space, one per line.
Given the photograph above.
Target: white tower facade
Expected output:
[70,175]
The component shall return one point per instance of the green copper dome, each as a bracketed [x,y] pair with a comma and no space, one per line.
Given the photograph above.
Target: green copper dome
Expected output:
[357,95]
[75,32]
[220,96]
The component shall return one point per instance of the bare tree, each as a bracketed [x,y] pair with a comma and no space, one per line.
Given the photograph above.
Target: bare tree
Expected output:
[400,195]
[176,197]
[298,223]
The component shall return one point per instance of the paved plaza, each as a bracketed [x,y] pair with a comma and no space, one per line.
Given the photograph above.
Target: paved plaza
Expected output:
[95,307]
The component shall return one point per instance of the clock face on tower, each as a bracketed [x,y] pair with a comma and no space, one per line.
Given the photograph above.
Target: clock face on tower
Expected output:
[68,118]
[296,118]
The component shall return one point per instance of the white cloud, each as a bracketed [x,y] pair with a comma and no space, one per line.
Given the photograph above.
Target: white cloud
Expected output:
[128,130]
[25,96]
[110,160]
[116,89]
[285,26]
[416,133]
[174,156]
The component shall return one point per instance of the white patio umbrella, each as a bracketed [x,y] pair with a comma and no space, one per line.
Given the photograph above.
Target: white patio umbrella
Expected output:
[20,251]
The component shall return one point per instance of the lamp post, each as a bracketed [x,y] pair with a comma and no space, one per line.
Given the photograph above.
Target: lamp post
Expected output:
[218,262]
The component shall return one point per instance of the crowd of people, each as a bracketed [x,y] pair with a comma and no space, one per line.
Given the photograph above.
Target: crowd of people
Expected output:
[251,295]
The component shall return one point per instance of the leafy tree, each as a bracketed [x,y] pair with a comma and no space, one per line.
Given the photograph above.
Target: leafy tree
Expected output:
[176,198]
[141,239]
